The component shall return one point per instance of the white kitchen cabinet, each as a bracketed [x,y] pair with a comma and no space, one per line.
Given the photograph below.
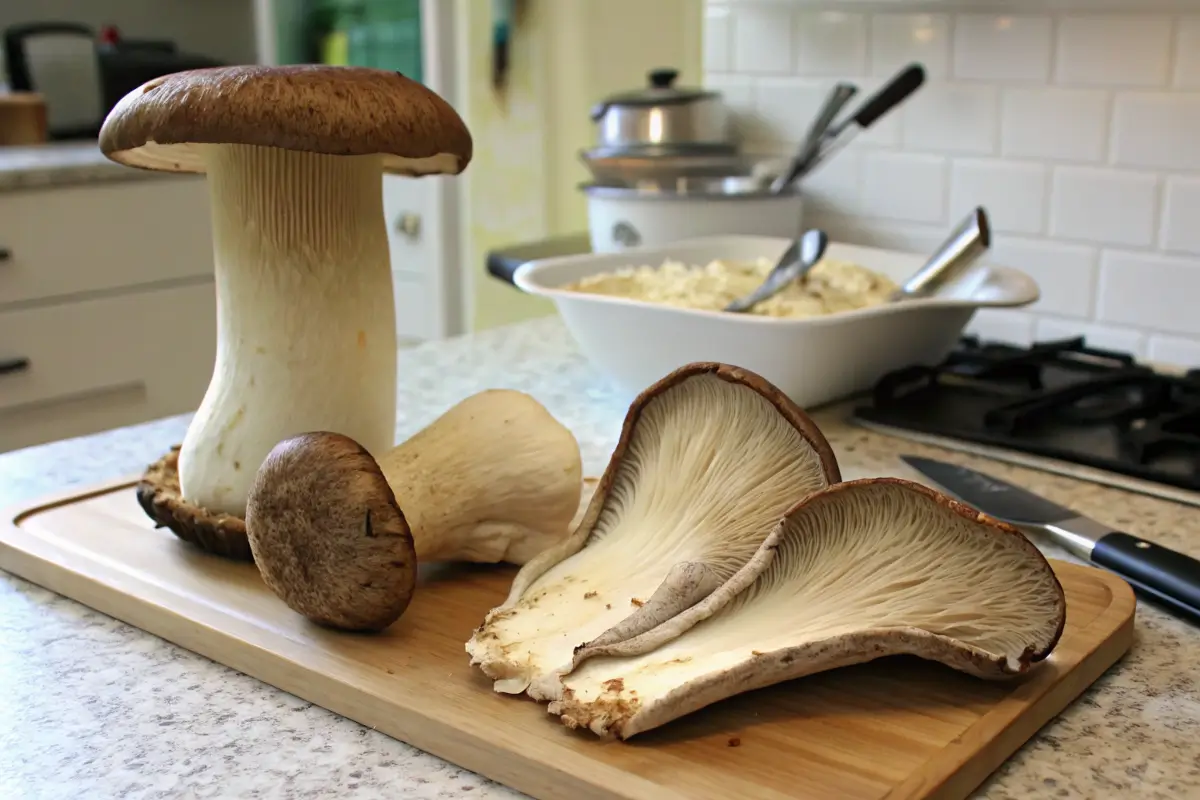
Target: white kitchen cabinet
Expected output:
[105,362]
[107,306]
[428,291]
[71,240]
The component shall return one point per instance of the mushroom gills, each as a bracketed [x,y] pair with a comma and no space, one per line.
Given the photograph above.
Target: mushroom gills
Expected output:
[305,314]
[709,459]
[859,571]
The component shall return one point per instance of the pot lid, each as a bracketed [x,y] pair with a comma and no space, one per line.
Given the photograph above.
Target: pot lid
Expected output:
[660,90]
[691,188]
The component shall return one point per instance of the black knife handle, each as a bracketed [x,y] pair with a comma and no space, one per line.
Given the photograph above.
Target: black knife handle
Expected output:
[907,81]
[1170,577]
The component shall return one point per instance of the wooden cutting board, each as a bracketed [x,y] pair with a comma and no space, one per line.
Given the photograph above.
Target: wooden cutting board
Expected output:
[900,728]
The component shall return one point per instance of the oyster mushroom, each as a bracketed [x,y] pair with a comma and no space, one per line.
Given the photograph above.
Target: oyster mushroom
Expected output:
[708,460]
[306,330]
[859,571]
[337,534]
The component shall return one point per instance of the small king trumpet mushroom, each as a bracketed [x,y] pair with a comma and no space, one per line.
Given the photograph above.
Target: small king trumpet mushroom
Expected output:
[709,459]
[858,571]
[337,533]
[306,330]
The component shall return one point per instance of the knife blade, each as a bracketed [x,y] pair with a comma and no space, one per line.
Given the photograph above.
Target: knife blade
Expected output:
[1159,573]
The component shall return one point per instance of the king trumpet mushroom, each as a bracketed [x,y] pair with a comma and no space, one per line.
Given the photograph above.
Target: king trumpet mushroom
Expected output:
[709,459]
[306,329]
[858,571]
[337,533]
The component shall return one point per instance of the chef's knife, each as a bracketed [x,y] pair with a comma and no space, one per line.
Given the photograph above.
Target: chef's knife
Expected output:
[1170,577]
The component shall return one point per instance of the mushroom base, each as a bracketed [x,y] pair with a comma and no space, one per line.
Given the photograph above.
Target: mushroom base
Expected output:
[159,495]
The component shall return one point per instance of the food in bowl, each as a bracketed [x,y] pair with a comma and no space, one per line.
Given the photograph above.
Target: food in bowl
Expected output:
[833,285]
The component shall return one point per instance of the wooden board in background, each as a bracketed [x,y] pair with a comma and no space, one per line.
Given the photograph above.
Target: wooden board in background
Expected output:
[899,728]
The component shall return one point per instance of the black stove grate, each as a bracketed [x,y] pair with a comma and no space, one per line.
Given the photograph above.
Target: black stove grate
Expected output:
[1058,399]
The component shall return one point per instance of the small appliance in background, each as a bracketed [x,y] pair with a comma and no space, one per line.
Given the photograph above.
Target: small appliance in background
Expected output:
[668,165]
[1060,406]
[81,74]
[59,61]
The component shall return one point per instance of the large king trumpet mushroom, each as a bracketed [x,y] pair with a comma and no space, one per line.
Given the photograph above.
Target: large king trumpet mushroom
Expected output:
[337,533]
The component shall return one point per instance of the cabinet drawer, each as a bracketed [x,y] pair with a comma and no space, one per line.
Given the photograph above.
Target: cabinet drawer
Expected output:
[105,363]
[62,241]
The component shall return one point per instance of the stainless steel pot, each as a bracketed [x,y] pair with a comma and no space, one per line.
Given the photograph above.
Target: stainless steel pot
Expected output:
[661,119]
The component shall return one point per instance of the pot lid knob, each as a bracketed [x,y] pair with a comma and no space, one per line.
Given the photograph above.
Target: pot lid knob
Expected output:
[663,78]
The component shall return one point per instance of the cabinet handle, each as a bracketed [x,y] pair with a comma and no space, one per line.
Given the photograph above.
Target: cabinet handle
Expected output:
[5,254]
[9,366]
[408,224]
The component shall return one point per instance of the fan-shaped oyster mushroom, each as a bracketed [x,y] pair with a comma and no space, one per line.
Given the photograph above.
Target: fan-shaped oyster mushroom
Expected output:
[708,460]
[861,570]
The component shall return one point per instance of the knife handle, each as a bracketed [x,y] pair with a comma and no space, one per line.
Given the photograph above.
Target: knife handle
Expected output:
[1168,576]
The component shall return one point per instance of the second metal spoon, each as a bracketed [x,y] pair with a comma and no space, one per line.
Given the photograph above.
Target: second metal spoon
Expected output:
[795,262]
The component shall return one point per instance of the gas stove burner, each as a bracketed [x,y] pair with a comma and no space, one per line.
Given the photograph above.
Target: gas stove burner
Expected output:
[1059,399]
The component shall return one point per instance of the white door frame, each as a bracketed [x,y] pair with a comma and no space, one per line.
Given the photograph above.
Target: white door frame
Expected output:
[266,41]
[452,280]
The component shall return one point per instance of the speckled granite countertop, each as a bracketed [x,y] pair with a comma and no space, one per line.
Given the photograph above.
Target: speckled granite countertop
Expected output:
[62,164]
[93,708]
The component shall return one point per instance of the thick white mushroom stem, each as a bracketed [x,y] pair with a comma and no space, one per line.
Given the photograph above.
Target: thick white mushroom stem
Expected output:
[306,328]
[495,478]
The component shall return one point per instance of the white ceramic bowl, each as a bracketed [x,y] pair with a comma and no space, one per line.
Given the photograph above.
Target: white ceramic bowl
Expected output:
[815,361]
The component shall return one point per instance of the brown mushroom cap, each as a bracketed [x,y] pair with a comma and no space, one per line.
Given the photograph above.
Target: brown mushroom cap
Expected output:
[329,110]
[327,534]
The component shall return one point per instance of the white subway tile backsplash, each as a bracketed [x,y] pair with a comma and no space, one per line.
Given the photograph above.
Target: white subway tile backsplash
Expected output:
[1067,124]
[1003,325]
[1181,215]
[1078,130]
[1107,337]
[762,39]
[1002,47]
[1065,273]
[899,39]
[1114,49]
[952,118]
[1157,130]
[905,237]
[835,187]
[718,38]
[1150,291]
[904,186]
[1014,194]
[738,93]
[831,43]
[1104,205]
[786,106]
[1176,351]
[1187,53]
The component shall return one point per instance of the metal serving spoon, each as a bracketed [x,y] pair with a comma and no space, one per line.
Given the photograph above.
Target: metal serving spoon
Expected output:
[966,243]
[795,262]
